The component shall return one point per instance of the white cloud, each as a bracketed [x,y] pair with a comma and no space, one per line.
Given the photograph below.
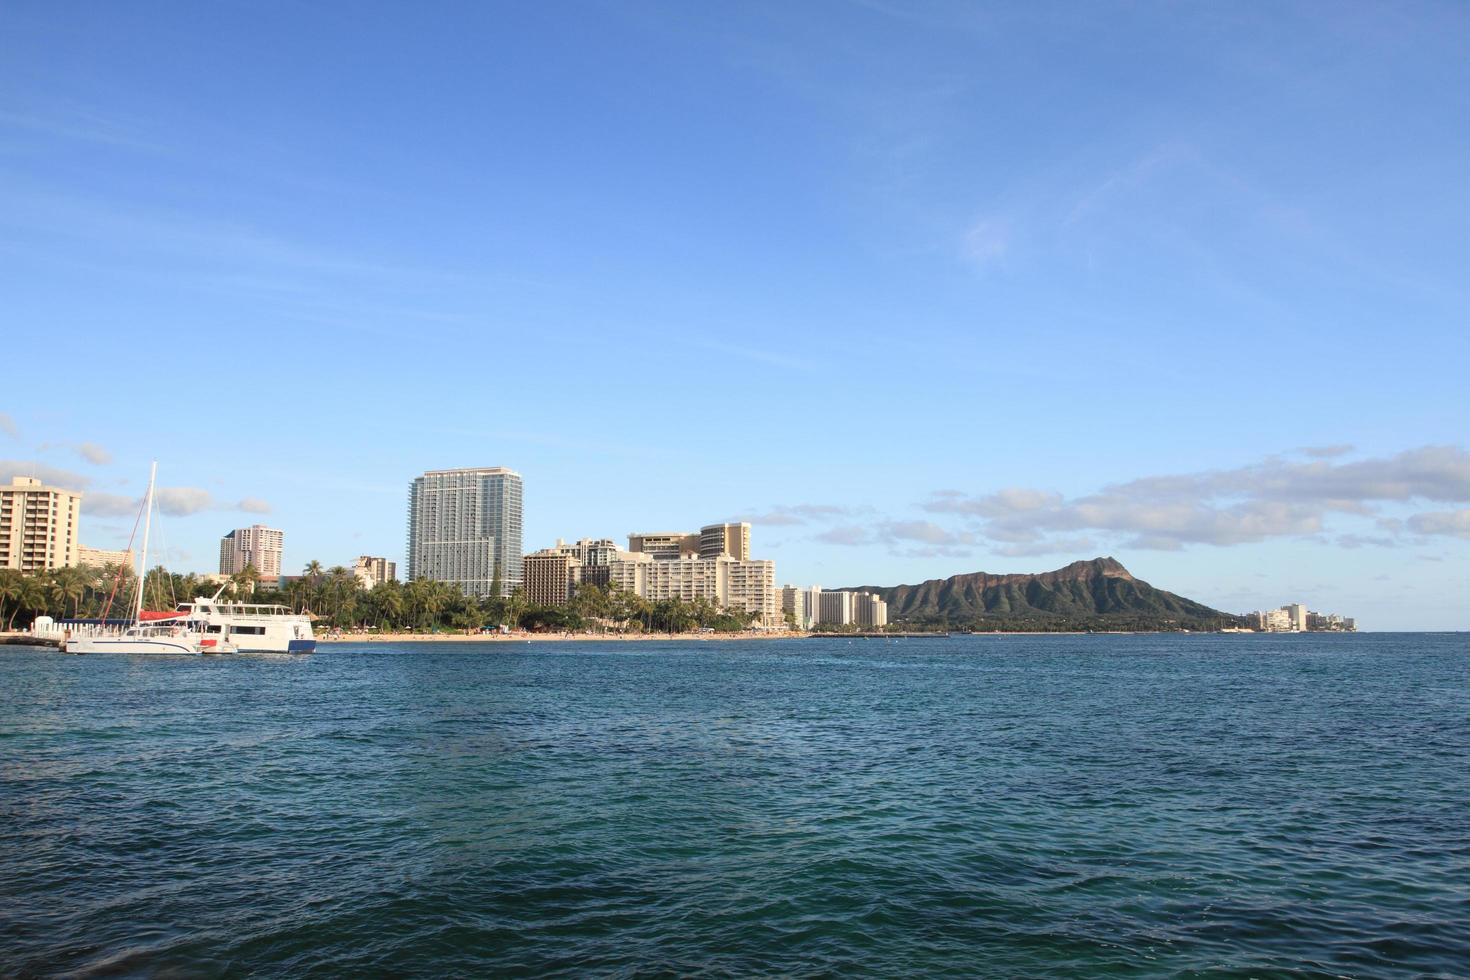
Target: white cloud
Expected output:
[845,534]
[1455,523]
[94,454]
[50,475]
[254,505]
[183,501]
[1273,498]
[8,426]
[792,514]
[99,504]
[1326,452]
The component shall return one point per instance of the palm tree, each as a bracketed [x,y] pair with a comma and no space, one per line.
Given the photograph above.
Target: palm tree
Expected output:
[10,587]
[313,574]
[31,596]
[387,603]
[74,586]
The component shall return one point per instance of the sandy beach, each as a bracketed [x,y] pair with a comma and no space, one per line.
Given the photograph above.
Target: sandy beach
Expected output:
[524,637]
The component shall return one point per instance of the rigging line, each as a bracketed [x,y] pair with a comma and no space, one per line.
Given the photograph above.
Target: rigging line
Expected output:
[168,576]
[117,580]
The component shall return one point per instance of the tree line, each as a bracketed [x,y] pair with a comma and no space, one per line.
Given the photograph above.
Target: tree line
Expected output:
[338,599]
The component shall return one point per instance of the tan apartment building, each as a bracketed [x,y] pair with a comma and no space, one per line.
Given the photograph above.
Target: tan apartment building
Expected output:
[256,545]
[102,557]
[725,539]
[664,545]
[723,581]
[38,525]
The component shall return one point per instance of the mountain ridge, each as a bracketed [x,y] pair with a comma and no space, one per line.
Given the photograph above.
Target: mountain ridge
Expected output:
[1091,593]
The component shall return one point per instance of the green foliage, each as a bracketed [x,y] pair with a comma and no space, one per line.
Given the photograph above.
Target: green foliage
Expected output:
[338,599]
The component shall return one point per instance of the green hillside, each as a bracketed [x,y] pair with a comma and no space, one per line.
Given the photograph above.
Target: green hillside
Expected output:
[1096,594]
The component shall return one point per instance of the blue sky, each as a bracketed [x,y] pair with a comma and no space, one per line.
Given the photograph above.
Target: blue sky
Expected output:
[918,288]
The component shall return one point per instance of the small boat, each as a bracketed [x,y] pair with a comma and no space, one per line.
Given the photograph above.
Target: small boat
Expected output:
[169,634]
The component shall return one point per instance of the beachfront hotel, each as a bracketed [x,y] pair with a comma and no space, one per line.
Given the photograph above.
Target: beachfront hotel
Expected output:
[463,526]
[255,545]
[808,607]
[103,557]
[38,525]
[728,583]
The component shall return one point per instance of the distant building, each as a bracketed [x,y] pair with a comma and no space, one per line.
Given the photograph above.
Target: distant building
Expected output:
[862,609]
[835,609]
[594,555]
[370,571]
[550,576]
[664,544]
[794,604]
[725,539]
[747,586]
[464,525]
[101,557]
[869,611]
[38,525]
[255,545]
[1297,618]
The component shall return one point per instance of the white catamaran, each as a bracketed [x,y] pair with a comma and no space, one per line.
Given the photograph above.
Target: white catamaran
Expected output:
[177,634]
[251,628]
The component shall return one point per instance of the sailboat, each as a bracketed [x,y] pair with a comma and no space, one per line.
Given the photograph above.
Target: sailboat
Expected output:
[175,635]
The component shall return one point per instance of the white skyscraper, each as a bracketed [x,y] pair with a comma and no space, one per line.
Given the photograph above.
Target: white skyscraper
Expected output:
[463,525]
[256,545]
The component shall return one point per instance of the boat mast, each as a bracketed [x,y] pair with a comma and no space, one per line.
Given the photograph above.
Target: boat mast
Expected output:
[147,523]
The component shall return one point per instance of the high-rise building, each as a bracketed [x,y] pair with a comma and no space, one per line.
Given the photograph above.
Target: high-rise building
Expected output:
[38,525]
[725,539]
[869,610]
[594,557]
[835,609]
[371,571]
[464,525]
[551,576]
[794,604]
[256,545]
[664,544]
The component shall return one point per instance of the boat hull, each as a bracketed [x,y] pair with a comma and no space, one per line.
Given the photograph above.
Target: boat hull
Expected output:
[131,645]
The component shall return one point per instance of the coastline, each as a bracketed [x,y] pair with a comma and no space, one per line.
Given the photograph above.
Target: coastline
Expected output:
[524,637]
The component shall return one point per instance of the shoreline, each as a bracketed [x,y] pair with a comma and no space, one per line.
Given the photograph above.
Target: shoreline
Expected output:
[524,637]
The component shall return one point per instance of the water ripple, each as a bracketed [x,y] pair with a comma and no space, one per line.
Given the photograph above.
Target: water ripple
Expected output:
[1022,806]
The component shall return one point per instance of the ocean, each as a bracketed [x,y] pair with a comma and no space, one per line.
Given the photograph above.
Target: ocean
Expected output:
[1044,806]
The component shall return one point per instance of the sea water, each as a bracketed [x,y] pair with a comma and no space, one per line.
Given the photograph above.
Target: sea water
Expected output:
[985,806]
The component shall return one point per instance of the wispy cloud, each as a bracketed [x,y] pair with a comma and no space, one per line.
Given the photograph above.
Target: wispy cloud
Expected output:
[1327,452]
[1273,498]
[986,242]
[93,453]
[8,426]
[173,501]
[46,474]
[787,515]
[110,505]
[1455,523]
